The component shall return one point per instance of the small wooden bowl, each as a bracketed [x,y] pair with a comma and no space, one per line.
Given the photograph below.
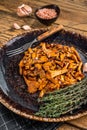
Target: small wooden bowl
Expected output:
[48,21]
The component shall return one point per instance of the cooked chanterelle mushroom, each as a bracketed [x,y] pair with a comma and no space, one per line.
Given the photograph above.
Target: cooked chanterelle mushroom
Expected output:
[51,66]
[85,67]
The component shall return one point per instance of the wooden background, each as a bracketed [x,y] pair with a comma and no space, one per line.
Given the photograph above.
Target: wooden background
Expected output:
[73,15]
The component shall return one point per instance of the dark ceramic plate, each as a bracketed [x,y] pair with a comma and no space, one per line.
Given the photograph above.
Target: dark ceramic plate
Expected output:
[13,92]
[48,21]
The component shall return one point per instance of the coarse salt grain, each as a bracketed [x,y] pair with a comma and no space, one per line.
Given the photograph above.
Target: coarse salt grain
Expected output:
[46,13]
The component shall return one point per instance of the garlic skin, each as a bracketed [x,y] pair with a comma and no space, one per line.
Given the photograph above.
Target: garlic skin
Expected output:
[24,10]
[16,26]
[20,12]
[85,67]
[21,6]
[26,27]
[28,9]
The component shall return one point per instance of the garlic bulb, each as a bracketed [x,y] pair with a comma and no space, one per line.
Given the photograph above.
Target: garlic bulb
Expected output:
[24,10]
[85,67]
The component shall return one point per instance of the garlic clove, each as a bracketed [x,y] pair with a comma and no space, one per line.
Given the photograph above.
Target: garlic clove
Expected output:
[28,8]
[20,12]
[25,11]
[85,67]
[26,27]
[16,26]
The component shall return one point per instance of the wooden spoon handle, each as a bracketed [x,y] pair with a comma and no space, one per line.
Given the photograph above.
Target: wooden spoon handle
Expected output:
[49,32]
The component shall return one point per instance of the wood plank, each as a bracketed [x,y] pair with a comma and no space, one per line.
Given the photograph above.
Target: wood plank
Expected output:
[81,122]
[67,127]
[11,17]
[66,11]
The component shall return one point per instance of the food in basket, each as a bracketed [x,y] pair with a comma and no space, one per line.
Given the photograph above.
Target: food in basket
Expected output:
[49,67]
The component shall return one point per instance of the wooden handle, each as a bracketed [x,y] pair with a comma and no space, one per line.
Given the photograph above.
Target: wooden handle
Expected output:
[49,32]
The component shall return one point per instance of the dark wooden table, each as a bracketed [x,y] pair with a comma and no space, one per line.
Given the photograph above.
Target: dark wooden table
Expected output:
[73,15]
